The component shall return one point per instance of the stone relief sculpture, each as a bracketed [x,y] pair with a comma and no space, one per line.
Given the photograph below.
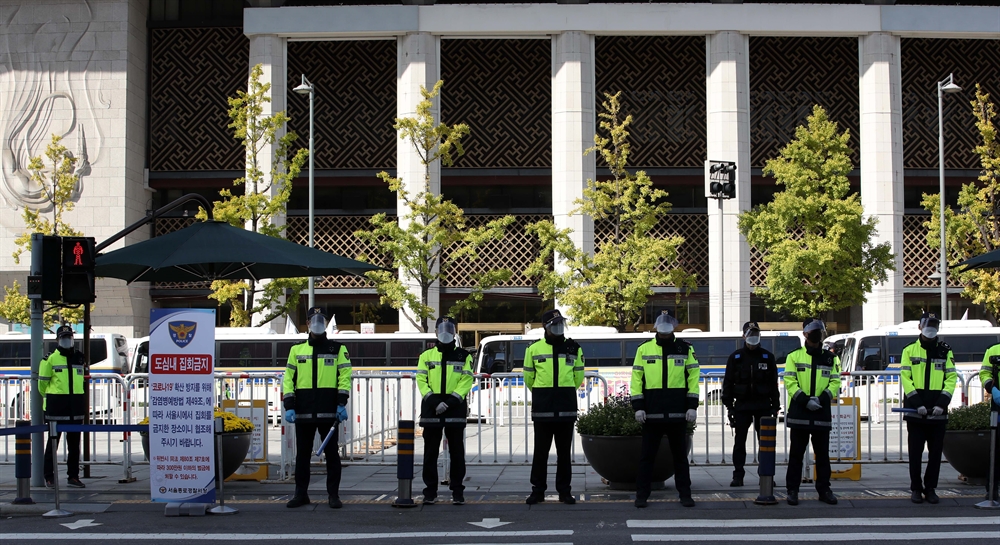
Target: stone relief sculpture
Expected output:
[49,77]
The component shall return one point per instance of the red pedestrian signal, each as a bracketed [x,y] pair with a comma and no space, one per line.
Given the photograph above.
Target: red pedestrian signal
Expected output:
[78,259]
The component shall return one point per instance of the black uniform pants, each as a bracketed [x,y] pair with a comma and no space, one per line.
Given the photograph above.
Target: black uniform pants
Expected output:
[305,433]
[919,433]
[652,434]
[742,421]
[798,440]
[996,468]
[72,455]
[562,432]
[456,448]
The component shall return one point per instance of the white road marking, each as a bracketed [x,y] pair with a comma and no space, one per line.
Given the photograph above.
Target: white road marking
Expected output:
[82,523]
[815,522]
[280,537]
[825,537]
[489,523]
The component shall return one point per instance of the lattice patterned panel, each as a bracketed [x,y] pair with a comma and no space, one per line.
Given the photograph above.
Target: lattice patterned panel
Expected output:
[515,252]
[502,89]
[919,260]
[662,80]
[355,103]
[923,63]
[790,75]
[191,74]
[758,269]
[335,234]
[692,256]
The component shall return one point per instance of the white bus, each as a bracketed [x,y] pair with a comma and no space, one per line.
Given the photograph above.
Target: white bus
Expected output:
[611,354]
[882,348]
[108,354]
[240,350]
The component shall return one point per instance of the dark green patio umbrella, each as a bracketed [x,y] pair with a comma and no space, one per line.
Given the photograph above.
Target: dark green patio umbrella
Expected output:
[215,250]
[989,260]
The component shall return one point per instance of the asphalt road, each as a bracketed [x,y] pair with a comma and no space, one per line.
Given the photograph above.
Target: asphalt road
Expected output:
[586,523]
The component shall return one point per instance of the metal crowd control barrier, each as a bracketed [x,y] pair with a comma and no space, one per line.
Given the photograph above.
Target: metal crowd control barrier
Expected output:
[499,431]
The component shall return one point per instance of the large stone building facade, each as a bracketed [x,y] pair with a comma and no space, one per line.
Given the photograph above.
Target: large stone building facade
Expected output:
[139,89]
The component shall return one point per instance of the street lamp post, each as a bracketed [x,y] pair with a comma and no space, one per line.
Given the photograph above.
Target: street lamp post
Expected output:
[306,88]
[944,86]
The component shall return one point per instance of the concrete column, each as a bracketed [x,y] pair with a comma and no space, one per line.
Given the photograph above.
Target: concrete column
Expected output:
[271,53]
[728,102]
[573,127]
[417,66]
[882,166]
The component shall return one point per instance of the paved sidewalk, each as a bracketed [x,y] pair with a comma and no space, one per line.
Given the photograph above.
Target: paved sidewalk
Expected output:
[501,484]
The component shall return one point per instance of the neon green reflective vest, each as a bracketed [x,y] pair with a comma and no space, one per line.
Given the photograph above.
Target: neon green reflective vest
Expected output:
[444,377]
[553,380]
[928,379]
[665,380]
[317,381]
[811,372]
[61,384]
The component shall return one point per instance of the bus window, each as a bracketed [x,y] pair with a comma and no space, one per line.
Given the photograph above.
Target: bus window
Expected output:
[496,361]
[847,361]
[15,354]
[405,353]
[281,352]
[969,348]
[517,350]
[870,352]
[602,353]
[366,354]
[244,354]
[782,347]
[894,348]
[631,347]
[713,352]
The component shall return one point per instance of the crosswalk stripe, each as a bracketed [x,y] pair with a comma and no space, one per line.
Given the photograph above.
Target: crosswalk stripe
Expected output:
[820,522]
[944,537]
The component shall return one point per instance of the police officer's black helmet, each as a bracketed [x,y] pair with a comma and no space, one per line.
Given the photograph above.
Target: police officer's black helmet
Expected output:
[64,331]
[315,311]
[552,317]
[750,326]
[444,319]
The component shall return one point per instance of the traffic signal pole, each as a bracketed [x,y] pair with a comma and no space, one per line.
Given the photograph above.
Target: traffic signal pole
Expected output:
[37,328]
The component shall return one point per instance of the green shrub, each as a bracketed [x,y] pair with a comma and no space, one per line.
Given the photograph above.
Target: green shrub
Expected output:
[971,418]
[613,417]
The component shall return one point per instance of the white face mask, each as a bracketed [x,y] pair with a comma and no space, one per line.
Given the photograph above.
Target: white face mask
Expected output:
[65,342]
[753,340]
[929,332]
[557,329]
[445,338]
[317,325]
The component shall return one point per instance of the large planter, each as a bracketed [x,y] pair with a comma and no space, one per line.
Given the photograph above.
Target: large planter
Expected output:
[969,453]
[234,450]
[616,458]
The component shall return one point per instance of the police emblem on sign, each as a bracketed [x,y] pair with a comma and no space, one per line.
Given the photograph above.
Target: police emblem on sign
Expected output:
[182,333]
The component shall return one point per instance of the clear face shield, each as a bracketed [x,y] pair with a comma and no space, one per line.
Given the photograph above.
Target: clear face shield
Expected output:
[557,328]
[446,332]
[317,324]
[65,341]
[929,332]
[665,324]
[815,331]
[753,337]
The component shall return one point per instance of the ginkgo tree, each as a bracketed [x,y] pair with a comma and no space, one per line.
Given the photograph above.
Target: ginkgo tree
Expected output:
[611,286]
[265,196]
[974,228]
[57,180]
[817,245]
[432,236]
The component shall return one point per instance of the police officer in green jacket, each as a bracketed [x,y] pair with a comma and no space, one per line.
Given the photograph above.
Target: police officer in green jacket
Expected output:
[553,370]
[989,376]
[444,377]
[664,391]
[316,387]
[61,384]
[812,380]
[927,373]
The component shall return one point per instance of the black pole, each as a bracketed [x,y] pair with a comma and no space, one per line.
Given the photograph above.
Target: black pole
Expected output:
[86,387]
[155,214]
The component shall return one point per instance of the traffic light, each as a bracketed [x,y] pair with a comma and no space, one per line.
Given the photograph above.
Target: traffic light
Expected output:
[720,179]
[78,257]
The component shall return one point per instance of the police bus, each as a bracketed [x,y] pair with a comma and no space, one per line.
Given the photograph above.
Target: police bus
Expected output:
[243,350]
[611,355]
[108,354]
[882,348]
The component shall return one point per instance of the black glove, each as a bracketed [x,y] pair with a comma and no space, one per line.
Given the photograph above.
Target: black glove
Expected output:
[732,419]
